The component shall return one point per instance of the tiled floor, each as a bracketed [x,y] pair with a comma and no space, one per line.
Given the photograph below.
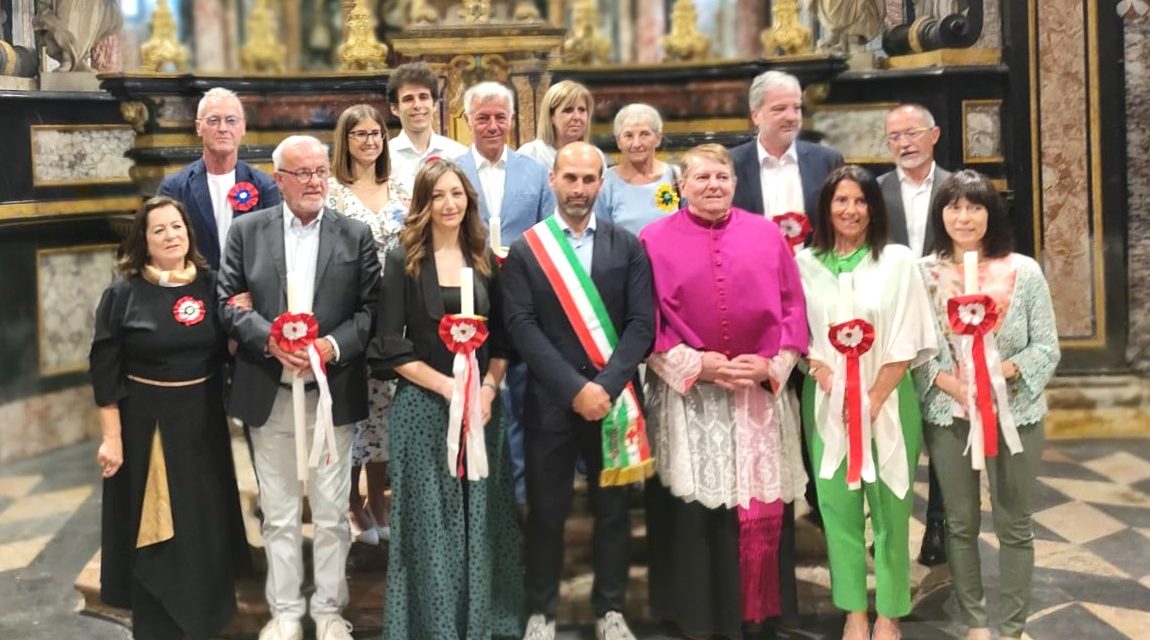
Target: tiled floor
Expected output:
[1092,578]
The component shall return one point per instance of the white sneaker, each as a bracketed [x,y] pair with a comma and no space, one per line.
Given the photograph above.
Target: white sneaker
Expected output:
[282,629]
[333,628]
[612,627]
[539,628]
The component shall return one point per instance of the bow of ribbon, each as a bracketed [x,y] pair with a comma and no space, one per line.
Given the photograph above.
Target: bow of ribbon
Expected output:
[466,449]
[974,317]
[852,339]
[299,331]
[795,227]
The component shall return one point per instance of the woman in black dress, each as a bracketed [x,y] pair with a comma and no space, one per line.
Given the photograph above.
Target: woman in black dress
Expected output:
[453,568]
[172,535]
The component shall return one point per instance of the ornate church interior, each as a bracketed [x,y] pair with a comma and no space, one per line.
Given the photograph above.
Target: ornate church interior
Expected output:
[1050,100]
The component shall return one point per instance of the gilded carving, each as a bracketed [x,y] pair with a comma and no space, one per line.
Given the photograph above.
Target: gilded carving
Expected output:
[787,34]
[685,42]
[163,48]
[263,51]
[136,114]
[360,50]
[475,11]
[423,13]
[585,45]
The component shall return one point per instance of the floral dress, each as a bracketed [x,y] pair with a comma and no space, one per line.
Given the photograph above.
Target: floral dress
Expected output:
[371,435]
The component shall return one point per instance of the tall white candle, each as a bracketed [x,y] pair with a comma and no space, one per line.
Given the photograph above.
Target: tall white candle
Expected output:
[846,297]
[292,293]
[495,233]
[299,412]
[466,292]
[970,272]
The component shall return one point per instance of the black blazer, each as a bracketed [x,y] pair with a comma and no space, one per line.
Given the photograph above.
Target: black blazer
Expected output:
[407,326]
[190,187]
[815,163]
[557,365]
[896,214]
[346,289]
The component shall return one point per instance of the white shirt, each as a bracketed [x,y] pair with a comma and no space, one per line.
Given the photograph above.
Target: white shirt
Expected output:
[491,178]
[916,206]
[301,253]
[406,161]
[781,183]
[218,187]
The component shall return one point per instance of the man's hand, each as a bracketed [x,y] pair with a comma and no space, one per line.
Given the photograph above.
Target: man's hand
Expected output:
[294,361]
[326,350]
[750,367]
[592,402]
[242,300]
[718,369]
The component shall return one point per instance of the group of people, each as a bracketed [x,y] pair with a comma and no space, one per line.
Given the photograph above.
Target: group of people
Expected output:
[478,321]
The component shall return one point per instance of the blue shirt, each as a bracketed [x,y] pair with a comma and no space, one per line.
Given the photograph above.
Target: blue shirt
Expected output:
[584,245]
[632,206]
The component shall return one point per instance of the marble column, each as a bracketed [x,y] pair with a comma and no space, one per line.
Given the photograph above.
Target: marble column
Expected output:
[652,23]
[1137,55]
[210,33]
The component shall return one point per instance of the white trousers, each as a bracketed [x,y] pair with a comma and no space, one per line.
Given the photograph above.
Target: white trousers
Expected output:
[281,496]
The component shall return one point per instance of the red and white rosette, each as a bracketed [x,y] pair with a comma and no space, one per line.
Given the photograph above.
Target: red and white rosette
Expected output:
[973,317]
[849,403]
[189,311]
[295,331]
[466,449]
[795,227]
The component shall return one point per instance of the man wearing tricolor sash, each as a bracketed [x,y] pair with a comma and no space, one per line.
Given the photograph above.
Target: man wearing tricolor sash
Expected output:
[577,299]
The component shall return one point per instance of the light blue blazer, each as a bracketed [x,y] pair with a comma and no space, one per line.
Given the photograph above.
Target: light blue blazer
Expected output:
[527,196]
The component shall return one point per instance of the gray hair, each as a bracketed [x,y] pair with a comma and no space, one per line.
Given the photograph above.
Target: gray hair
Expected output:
[923,112]
[768,81]
[638,113]
[293,141]
[216,94]
[487,92]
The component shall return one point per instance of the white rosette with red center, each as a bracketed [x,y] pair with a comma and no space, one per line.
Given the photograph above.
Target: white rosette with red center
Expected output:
[850,405]
[295,331]
[795,227]
[466,449]
[973,318]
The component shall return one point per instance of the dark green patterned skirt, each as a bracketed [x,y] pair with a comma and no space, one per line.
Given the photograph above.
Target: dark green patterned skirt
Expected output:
[453,566]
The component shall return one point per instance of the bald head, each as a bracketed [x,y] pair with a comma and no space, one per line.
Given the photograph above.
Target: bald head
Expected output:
[576,179]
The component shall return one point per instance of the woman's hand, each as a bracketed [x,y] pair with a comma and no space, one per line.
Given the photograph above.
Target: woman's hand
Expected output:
[1009,370]
[875,404]
[110,456]
[486,398]
[952,386]
[445,387]
[821,373]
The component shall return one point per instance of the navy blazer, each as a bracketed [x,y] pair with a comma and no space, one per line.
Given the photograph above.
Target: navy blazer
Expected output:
[896,214]
[527,196]
[190,187]
[344,303]
[815,163]
[557,364]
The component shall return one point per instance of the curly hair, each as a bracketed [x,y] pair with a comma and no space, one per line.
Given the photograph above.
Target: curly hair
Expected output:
[416,235]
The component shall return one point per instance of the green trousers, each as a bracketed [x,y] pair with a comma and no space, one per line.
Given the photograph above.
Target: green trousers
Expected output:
[1012,484]
[844,518]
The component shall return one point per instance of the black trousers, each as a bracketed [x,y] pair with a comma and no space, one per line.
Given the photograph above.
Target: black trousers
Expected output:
[550,475]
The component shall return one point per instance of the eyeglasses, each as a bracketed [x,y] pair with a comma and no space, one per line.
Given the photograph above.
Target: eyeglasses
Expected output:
[215,121]
[304,176]
[909,134]
[363,136]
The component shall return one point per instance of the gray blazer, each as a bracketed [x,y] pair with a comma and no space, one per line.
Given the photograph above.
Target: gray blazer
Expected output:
[346,288]
[896,214]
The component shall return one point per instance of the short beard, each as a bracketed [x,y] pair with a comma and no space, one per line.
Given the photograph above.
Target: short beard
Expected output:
[577,212]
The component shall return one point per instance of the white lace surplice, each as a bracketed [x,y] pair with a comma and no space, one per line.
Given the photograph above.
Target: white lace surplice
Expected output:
[718,447]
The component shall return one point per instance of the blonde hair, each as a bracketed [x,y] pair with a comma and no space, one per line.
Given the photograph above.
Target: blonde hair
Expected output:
[709,151]
[560,95]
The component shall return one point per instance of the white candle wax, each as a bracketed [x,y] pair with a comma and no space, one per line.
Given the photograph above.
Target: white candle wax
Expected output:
[495,232]
[292,293]
[846,297]
[970,272]
[466,292]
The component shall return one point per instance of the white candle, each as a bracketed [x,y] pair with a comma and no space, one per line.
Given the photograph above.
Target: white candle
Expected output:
[466,292]
[495,232]
[970,272]
[846,297]
[292,293]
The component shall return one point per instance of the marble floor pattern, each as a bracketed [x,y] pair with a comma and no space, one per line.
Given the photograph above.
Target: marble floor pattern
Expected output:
[1092,576]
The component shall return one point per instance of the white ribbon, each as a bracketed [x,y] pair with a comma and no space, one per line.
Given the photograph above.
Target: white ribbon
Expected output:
[324,432]
[834,434]
[1006,423]
[476,447]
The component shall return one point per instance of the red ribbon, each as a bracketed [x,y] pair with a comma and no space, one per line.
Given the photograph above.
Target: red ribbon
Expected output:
[462,335]
[795,227]
[244,196]
[976,315]
[294,331]
[853,338]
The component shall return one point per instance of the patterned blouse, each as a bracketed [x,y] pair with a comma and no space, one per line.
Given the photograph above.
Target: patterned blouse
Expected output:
[1026,333]
[385,224]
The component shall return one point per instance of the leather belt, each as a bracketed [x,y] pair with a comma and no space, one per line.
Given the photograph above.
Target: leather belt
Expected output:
[168,383]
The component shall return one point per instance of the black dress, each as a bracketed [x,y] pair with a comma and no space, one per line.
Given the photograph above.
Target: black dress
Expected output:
[183,586]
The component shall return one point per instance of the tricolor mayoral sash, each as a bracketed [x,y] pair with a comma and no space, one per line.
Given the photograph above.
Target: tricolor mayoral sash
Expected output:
[626,455]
